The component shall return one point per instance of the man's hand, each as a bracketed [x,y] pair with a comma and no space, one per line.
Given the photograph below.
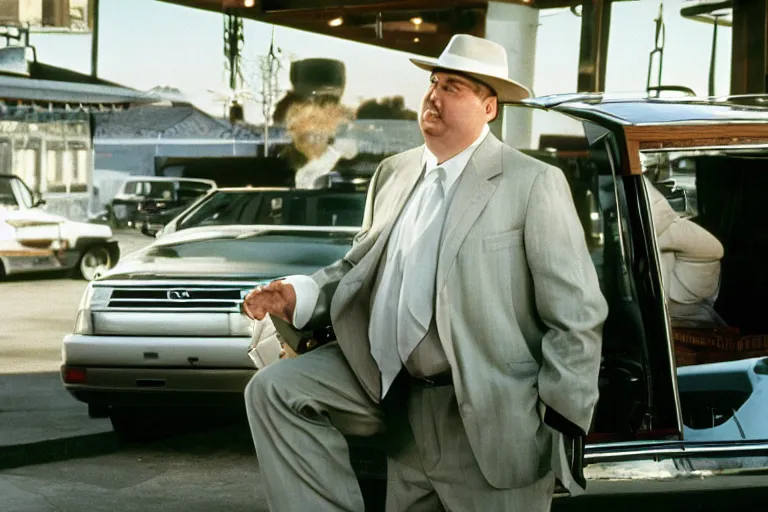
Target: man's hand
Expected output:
[276,299]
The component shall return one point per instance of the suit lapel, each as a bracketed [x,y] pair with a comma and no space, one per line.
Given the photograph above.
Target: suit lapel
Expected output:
[473,191]
[404,180]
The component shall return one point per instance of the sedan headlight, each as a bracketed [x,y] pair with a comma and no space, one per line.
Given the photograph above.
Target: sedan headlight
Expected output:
[93,297]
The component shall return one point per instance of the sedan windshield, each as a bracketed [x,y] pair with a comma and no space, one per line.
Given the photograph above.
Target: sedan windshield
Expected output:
[7,197]
[277,208]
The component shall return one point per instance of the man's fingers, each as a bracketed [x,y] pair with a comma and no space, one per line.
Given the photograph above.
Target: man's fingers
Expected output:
[276,298]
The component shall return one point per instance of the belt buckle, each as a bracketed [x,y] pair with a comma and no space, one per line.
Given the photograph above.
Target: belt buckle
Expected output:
[426,382]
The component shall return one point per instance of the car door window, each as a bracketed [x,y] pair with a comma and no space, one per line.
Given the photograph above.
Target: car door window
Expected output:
[131,188]
[7,196]
[710,218]
[23,195]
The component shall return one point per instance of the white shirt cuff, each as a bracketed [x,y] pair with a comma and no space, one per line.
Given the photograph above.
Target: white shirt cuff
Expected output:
[307,293]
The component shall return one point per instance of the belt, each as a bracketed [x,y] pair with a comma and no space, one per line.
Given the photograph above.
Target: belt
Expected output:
[433,381]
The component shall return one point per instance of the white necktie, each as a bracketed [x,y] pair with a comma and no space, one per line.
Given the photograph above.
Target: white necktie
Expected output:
[417,293]
[408,287]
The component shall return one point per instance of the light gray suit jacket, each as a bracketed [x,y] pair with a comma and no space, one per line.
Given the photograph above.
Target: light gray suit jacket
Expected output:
[518,309]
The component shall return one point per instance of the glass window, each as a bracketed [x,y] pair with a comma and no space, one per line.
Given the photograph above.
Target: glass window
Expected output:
[22,193]
[189,191]
[131,188]
[7,197]
[158,189]
[710,219]
[224,208]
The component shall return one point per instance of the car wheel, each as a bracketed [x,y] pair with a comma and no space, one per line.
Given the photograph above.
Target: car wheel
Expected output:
[94,262]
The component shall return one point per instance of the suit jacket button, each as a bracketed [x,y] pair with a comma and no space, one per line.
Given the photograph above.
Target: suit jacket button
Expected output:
[466,409]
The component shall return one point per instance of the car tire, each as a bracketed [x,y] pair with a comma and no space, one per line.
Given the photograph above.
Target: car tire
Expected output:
[144,424]
[137,424]
[93,262]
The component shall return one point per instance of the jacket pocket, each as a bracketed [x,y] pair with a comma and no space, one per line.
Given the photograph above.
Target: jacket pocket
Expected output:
[502,241]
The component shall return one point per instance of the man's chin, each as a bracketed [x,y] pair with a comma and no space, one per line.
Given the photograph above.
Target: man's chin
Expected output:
[429,127]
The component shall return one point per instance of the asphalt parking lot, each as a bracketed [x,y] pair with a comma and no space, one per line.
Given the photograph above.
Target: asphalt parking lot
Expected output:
[54,458]
[38,309]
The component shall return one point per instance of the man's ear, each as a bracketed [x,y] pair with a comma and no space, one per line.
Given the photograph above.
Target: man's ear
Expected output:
[492,107]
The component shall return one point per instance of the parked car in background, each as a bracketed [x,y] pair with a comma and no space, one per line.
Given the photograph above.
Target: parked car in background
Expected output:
[33,240]
[142,195]
[163,329]
[269,206]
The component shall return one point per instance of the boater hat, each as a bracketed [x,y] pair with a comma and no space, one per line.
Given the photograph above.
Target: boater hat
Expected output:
[481,59]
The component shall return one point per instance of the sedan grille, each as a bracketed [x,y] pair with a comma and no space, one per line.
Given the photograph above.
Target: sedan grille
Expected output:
[178,298]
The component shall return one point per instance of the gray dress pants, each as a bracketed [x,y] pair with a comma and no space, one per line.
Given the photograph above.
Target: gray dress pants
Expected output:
[299,411]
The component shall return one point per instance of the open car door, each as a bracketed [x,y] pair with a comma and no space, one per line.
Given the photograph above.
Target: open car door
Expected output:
[674,383]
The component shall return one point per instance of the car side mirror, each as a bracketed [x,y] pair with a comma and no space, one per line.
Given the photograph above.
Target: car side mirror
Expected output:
[37,201]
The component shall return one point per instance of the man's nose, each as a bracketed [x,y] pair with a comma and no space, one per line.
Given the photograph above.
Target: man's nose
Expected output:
[434,97]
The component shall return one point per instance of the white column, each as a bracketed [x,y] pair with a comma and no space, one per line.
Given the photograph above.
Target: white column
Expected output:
[515,26]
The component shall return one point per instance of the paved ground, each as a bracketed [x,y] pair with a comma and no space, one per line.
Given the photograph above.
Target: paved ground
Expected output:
[38,419]
[37,310]
[216,470]
[54,458]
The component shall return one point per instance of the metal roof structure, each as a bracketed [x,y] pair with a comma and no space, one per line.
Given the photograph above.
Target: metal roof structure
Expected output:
[30,90]
[423,27]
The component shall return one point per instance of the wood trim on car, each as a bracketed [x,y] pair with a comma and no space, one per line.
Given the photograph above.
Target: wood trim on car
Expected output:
[639,138]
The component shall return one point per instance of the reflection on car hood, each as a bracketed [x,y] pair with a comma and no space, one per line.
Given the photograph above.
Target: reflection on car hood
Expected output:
[238,231]
[236,252]
[204,269]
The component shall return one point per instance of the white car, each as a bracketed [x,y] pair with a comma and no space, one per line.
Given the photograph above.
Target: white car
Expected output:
[33,240]
[163,331]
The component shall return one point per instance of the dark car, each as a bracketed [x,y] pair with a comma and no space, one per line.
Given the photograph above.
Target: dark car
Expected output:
[270,206]
[154,195]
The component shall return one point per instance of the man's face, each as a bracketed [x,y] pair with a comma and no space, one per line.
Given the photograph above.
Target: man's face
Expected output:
[455,107]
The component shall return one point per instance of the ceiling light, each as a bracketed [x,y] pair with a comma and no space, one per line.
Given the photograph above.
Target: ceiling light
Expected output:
[417,21]
[335,22]
[415,39]
[249,3]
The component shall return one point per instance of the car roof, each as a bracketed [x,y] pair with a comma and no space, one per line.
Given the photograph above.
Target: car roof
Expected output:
[624,109]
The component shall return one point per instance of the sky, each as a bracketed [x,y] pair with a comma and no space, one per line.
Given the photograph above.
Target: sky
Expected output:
[147,43]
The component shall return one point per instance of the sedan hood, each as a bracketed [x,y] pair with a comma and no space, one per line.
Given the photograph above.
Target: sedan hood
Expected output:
[203,269]
[243,252]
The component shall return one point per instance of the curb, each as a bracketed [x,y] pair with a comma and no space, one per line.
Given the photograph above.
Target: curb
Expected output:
[56,450]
